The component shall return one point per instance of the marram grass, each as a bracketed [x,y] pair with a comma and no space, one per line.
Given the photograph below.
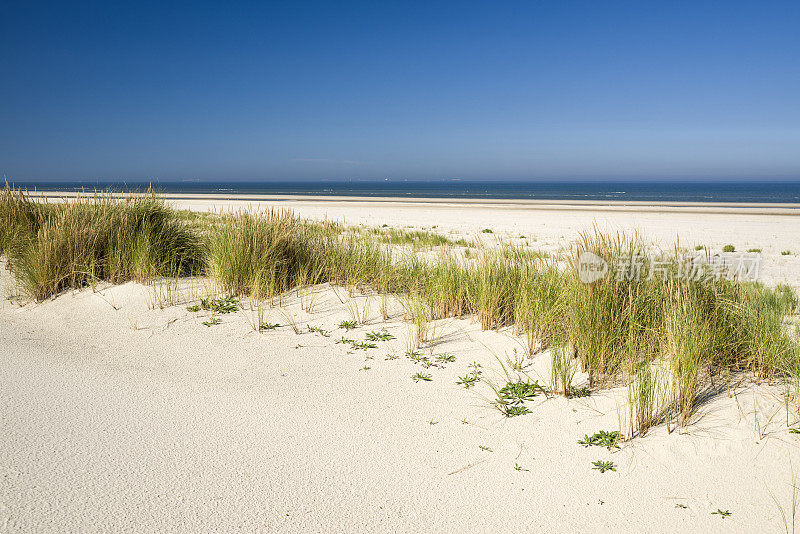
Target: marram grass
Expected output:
[53,247]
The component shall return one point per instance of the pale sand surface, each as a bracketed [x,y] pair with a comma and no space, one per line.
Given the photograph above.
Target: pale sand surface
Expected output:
[115,416]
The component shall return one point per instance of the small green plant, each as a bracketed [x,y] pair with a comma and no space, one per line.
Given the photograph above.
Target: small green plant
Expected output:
[679,505]
[604,465]
[579,392]
[487,231]
[604,438]
[468,380]
[518,467]
[472,378]
[432,422]
[518,392]
[425,377]
[222,305]
[365,368]
[699,247]
[728,248]
[383,335]
[484,448]
[268,326]
[391,357]
[318,330]
[193,308]
[213,321]
[757,250]
[363,345]
[722,513]
[794,431]
[445,358]
[426,362]
[347,325]
[414,356]
[345,341]
[785,252]
[513,411]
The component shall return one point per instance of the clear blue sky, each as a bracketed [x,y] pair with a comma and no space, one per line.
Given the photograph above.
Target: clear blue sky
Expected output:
[489,90]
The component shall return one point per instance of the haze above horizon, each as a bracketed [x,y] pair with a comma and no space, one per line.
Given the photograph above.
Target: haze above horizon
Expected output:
[366,91]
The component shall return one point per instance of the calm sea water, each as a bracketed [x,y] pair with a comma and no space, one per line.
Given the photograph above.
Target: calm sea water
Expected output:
[622,190]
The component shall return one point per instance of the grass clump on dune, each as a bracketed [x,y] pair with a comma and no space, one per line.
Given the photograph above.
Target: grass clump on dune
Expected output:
[52,247]
[265,255]
[698,327]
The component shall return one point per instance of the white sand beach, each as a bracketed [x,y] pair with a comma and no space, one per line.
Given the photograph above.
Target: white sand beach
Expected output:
[121,412]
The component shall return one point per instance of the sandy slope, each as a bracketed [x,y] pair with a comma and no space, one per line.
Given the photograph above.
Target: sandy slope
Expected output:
[118,417]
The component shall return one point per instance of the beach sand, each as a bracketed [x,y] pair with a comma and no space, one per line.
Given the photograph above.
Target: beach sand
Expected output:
[121,411]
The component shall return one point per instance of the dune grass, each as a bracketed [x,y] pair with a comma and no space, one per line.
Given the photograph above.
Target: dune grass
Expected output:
[663,336]
[52,247]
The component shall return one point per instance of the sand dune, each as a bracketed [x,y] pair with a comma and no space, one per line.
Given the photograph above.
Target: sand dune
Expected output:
[119,415]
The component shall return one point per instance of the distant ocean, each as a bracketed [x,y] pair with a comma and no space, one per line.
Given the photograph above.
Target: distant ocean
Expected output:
[699,191]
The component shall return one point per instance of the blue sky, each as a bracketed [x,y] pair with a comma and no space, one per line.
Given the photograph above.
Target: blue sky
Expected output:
[428,90]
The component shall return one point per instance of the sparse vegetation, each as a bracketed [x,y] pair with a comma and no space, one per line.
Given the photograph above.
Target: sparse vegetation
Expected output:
[604,438]
[663,336]
[604,465]
[444,358]
[512,410]
[728,248]
[416,239]
[470,379]
[383,335]
[220,305]
[363,345]
[518,392]
[318,330]
[578,392]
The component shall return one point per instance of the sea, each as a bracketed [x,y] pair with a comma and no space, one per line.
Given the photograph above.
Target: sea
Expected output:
[645,191]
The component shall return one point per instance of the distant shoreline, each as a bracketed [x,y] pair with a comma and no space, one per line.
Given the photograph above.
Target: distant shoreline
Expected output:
[569,193]
[766,208]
